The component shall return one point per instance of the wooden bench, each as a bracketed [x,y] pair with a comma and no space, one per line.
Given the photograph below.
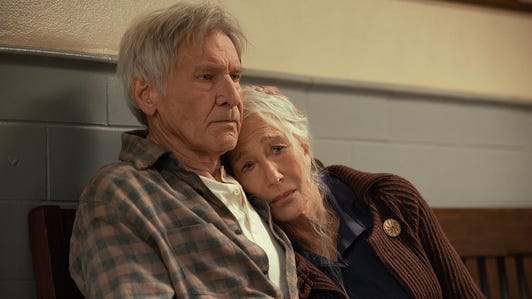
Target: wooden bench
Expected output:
[495,245]
[50,228]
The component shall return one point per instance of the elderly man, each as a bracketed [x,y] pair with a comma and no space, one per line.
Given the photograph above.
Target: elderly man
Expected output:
[167,221]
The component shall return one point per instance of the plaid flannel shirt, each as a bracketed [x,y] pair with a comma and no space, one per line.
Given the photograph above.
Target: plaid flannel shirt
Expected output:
[147,227]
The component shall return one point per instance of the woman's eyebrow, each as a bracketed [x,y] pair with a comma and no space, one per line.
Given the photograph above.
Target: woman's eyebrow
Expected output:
[238,155]
[270,137]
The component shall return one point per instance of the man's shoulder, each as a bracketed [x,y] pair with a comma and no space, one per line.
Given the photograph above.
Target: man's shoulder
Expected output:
[116,170]
[120,175]
[126,179]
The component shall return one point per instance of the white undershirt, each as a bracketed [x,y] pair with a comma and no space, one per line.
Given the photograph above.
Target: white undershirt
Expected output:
[255,229]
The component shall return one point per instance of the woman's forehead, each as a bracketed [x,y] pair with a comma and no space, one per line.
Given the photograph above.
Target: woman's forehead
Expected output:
[256,130]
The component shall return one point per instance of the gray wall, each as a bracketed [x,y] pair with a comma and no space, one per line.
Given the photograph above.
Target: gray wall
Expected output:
[61,119]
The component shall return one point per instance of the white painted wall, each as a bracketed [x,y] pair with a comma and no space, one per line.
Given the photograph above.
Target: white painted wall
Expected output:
[419,44]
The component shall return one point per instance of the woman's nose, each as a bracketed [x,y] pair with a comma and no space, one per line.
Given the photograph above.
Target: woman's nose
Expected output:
[274,176]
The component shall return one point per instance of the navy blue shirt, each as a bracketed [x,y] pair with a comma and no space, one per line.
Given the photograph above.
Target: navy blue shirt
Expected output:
[359,270]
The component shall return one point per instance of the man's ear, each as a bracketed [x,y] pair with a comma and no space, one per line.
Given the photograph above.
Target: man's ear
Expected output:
[146,95]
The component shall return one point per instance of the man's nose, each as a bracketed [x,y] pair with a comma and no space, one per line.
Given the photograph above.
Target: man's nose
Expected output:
[228,92]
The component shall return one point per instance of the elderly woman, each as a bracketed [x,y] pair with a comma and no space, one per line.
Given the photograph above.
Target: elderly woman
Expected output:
[372,235]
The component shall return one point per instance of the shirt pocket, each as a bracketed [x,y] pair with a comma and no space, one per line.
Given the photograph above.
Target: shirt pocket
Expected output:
[209,262]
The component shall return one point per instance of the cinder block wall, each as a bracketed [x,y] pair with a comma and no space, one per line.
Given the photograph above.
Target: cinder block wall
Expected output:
[61,119]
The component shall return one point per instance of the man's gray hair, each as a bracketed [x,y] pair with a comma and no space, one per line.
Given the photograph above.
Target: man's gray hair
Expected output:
[149,48]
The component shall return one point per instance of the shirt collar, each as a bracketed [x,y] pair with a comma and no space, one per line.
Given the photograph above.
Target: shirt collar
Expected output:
[140,151]
[354,217]
[228,190]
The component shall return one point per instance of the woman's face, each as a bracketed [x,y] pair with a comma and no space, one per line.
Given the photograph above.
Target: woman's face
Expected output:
[270,166]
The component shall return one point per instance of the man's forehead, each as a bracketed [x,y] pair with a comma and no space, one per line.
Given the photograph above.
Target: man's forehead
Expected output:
[206,60]
[198,46]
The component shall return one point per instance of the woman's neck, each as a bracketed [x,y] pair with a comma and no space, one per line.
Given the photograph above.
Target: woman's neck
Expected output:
[321,238]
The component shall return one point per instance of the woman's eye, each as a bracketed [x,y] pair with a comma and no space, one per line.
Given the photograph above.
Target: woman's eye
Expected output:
[277,149]
[246,166]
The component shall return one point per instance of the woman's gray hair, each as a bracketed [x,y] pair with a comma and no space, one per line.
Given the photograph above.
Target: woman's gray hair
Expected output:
[277,111]
[149,48]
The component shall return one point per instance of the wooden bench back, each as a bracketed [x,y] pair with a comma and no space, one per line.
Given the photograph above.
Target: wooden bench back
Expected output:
[495,245]
[50,228]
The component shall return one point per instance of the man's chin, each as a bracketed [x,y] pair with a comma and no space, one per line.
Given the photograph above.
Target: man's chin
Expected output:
[228,143]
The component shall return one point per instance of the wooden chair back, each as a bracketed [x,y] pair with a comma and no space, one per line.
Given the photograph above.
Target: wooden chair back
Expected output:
[496,247]
[50,228]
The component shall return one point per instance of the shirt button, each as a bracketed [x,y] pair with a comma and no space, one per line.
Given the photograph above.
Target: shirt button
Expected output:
[391,227]
[236,192]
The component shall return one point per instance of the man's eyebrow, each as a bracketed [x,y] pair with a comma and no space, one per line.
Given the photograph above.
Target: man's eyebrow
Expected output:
[208,67]
[239,69]
[216,67]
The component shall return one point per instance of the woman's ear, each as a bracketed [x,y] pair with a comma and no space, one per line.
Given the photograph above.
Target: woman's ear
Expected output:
[146,95]
[306,149]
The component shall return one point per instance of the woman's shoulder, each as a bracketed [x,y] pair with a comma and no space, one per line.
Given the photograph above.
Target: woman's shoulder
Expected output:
[381,186]
[369,179]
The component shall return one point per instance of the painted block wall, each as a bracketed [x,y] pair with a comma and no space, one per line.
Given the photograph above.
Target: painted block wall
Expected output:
[61,119]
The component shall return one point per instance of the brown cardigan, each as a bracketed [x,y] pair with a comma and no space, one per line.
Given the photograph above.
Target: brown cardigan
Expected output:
[420,257]
[313,284]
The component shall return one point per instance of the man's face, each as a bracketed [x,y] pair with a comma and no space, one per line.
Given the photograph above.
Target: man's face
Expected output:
[202,108]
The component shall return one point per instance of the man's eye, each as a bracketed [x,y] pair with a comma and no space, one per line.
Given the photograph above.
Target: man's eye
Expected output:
[206,77]
[236,77]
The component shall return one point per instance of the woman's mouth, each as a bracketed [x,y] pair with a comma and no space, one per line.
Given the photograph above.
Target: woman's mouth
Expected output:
[282,199]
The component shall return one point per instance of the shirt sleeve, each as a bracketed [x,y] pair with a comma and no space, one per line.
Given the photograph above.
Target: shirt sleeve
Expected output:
[109,260]
[110,255]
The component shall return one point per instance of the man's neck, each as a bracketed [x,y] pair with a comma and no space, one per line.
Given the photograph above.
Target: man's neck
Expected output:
[205,169]
[202,163]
